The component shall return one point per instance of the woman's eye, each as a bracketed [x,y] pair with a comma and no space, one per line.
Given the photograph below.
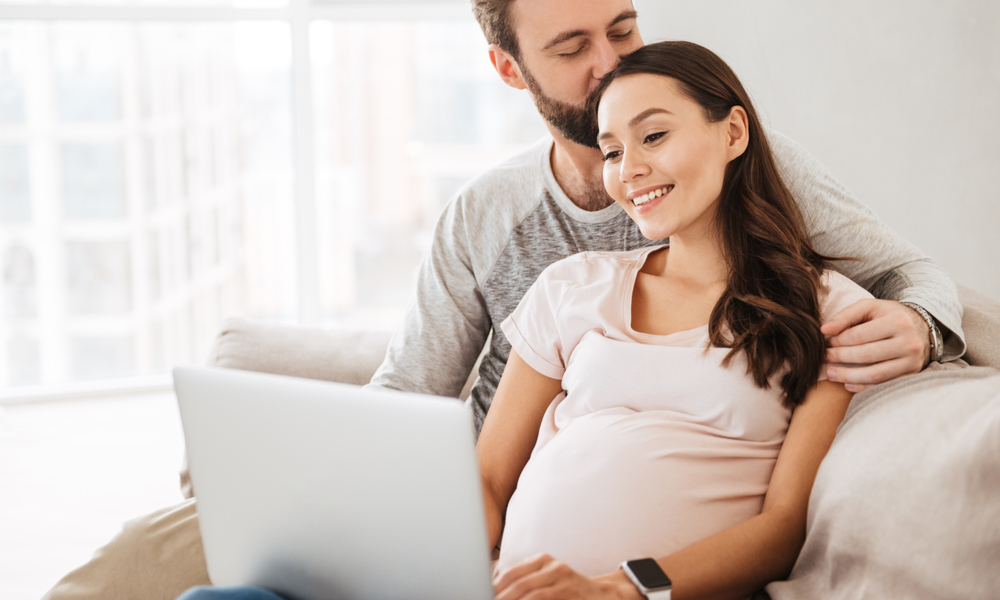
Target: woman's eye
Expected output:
[654,136]
[611,155]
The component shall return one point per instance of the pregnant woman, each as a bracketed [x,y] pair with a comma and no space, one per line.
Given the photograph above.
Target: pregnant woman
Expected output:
[665,407]
[690,410]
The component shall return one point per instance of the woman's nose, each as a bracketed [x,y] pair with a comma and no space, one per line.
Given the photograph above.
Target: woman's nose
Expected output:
[633,166]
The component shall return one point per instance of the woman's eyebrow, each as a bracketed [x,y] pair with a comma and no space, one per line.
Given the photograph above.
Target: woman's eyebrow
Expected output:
[639,118]
[646,114]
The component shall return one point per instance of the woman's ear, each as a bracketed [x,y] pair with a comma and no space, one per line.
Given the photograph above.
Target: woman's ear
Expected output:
[738,131]
[506,67]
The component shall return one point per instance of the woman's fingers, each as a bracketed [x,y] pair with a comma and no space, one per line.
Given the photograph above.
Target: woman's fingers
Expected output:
[518,572]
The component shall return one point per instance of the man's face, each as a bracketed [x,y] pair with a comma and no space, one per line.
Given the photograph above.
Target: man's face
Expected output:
[567,46]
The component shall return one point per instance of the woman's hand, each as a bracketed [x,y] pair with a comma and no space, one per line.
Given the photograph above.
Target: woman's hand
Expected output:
[543,577]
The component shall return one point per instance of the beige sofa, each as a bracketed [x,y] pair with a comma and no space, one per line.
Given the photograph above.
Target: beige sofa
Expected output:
[906,505]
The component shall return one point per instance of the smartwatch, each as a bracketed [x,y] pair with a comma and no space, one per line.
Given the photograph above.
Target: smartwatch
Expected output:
[647,575]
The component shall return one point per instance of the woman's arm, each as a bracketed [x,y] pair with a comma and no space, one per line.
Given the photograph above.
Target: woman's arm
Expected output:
[740,560]
[509,434]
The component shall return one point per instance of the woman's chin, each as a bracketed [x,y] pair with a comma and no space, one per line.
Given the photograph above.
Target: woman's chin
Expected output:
[654,232]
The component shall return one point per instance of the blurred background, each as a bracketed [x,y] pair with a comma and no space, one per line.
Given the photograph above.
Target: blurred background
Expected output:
[148,178]
[165,164]
[898,99]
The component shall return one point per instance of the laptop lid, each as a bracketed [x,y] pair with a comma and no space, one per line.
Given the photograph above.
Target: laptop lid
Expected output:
[325,491]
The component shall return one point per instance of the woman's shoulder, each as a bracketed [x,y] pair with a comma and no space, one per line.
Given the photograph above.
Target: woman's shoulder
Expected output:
[837,293]
[591,272]
[597,263]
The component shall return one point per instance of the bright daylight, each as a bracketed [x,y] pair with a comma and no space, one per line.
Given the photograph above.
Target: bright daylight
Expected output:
[313,299]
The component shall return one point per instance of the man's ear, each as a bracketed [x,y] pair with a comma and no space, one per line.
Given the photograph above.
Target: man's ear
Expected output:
[506,67]
[738,132]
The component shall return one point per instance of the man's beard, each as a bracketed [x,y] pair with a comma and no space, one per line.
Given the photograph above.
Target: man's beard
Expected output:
[575,123]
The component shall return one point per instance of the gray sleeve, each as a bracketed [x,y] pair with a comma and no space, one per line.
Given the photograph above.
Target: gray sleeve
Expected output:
[446,324]
[890,267]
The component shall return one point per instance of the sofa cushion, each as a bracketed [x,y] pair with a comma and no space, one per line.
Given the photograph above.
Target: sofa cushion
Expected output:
[342,355]
[981,324]
[907,502]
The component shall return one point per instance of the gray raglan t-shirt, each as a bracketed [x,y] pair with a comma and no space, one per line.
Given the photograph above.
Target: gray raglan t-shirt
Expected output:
[506,225]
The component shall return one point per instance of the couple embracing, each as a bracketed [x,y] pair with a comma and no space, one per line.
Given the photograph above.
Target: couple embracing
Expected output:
[673,292]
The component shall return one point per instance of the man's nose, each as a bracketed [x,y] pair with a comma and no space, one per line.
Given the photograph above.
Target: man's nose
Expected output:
[606,58]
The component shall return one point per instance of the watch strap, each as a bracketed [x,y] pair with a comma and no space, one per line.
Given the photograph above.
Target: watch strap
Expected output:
[936,339]
[657,593]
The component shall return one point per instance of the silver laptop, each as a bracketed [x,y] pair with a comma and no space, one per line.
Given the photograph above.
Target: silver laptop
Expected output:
[323,491]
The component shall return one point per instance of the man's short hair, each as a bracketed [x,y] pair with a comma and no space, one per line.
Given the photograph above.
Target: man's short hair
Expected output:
[497,25]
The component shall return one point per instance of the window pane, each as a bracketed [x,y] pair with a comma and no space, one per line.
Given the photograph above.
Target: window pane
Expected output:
[23,361]
[405,114]
[86,61]
[19,287]
[15,196]
[103,357]
[99,282]
[12,62]
[93,181]
[164,193]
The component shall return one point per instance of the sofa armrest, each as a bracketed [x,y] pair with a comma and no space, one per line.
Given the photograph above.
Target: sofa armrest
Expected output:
[981,323]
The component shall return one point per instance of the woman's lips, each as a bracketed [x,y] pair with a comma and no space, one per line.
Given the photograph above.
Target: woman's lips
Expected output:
[648,197]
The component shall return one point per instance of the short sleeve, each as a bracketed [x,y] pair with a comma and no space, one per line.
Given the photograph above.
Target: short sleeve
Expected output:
[533,329]
[838,292]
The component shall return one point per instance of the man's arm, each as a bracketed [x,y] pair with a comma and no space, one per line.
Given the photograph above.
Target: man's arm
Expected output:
[890,267]
[446,324]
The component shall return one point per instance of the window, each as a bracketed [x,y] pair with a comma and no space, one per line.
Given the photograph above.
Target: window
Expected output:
[160,171]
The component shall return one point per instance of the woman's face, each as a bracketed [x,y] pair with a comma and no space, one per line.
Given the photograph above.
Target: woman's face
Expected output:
[664,162]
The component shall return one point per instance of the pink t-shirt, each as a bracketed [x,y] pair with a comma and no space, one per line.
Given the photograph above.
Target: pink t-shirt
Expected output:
[653,444]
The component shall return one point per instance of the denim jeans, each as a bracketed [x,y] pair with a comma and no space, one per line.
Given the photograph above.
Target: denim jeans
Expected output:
[229,593]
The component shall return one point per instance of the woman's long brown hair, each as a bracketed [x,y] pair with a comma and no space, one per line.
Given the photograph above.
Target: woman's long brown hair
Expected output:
[769,309]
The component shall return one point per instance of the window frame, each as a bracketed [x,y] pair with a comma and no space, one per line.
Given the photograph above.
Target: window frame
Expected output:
[299,14]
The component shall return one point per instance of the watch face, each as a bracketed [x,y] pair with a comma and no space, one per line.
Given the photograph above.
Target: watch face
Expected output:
[649,573]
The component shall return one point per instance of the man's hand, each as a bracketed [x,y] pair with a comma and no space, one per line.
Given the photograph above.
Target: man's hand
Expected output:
[545,577]
[872,341]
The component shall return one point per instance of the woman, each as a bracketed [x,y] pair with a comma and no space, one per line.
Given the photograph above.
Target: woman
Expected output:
[668,403]
[690,414]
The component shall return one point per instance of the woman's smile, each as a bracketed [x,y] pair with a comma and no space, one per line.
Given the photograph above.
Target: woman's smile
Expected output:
[645,196]
[645,200]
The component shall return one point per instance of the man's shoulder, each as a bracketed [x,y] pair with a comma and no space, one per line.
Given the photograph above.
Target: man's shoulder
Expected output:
[487,209]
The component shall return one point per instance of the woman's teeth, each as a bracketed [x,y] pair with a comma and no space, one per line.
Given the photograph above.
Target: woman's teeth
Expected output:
[647,198]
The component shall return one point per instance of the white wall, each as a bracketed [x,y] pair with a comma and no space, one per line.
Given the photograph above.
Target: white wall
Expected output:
[900,99]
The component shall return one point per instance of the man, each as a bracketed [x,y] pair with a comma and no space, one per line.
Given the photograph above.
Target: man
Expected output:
[508,224]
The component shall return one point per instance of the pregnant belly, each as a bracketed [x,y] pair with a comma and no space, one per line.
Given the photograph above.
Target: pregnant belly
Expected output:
[618,485]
